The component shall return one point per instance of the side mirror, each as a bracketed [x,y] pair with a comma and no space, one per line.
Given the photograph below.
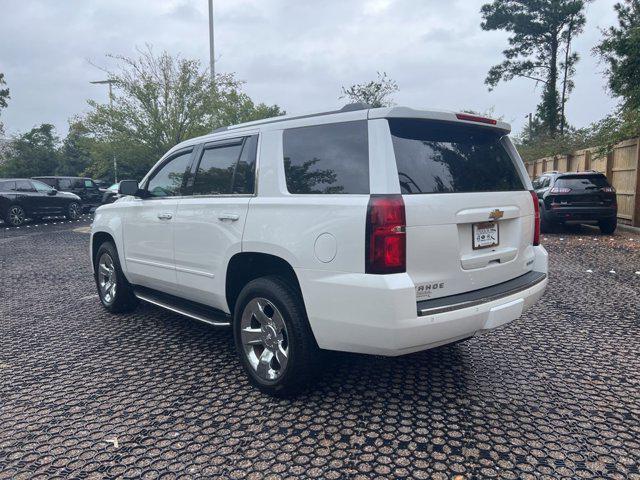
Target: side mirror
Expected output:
[128,187]
[52,192]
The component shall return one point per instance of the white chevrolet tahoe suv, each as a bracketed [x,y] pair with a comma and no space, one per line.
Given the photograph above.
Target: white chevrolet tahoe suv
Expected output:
[380,231]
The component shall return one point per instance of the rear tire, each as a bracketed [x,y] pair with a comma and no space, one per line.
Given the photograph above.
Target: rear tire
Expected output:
[15,216]
[115,292]
[608,226]
[273,338]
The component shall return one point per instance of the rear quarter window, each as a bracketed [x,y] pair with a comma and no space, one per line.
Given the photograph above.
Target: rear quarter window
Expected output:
[329,159]
[447,157]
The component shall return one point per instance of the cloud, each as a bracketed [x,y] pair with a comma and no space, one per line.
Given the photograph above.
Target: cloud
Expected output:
[294,53]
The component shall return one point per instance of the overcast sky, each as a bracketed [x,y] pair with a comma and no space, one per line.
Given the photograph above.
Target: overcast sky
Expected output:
[295,53]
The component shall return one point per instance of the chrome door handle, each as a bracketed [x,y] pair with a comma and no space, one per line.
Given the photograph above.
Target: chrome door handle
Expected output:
[228,216]
[165,216]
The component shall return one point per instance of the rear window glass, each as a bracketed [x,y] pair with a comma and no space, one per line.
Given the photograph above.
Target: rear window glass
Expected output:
[332,158]
[441,157]
[582,182]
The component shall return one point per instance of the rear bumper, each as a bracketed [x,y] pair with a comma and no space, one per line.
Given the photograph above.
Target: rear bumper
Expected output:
[573,213]
[376,314]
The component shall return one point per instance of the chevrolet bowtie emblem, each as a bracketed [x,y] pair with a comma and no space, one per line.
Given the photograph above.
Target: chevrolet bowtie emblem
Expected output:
[496,214]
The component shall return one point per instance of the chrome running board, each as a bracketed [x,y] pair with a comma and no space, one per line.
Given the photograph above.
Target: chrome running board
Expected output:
[193,310]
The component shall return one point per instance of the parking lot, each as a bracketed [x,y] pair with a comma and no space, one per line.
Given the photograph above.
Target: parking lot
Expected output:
[85,394]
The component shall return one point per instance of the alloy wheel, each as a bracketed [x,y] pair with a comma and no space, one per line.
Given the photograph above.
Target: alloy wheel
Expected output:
[107,280]
[74,211]
[265,339]
[16,215]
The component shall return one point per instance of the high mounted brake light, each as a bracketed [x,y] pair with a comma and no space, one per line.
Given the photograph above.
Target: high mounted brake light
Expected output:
[475,118]
[386,237]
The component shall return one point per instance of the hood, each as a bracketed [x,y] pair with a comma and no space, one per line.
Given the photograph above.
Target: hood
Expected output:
[68,195]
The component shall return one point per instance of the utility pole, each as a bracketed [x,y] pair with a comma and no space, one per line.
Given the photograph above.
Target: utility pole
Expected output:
[211,50]
[110,83]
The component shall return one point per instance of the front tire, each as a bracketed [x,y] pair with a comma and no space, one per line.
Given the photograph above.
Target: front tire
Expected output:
[273,338]
[608,226]
[115,292]
[73,211]
[15,216]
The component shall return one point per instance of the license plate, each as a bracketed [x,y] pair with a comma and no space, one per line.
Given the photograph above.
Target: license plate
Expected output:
[485,235]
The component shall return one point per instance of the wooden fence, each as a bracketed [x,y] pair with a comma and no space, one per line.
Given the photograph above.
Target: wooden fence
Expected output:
[621,166]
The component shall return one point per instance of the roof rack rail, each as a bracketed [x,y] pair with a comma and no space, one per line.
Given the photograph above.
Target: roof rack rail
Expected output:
[350,107]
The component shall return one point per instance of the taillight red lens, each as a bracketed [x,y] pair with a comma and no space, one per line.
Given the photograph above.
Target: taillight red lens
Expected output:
[386,237]
[536,227]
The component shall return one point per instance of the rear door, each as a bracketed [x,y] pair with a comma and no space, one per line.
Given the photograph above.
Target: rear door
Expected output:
[469,215]
[27,196]
[210,220]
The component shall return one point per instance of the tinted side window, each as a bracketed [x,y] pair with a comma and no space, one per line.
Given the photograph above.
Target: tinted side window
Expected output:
[167,181]
[7,186]
[442,157]
[64,184]
[24,186]
[215,170]
[89,183]
[331,158]
[245,175]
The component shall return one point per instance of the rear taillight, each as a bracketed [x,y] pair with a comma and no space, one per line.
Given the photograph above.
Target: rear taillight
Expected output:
[560,190]
[386,237]
[609,190]
[536,216]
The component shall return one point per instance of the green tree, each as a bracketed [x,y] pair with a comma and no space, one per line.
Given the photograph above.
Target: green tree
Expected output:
[32,153]
[376,93]
[75,153]
[620,49]
[539,49]
[160,101]
[4,97]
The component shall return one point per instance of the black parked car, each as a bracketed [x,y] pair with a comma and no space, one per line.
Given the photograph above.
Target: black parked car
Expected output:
[21,198]
[576,197]
[85,188]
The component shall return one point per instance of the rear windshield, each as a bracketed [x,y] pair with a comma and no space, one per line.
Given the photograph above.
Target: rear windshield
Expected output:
[582,182]
[442,157]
